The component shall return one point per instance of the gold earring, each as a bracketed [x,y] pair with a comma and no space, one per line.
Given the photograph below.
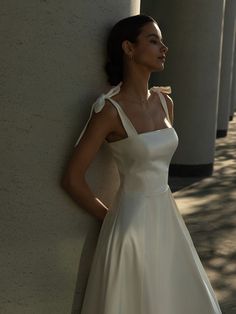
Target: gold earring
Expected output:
[131,57]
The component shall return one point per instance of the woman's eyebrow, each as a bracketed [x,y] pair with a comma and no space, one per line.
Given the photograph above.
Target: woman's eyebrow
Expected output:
[149,35]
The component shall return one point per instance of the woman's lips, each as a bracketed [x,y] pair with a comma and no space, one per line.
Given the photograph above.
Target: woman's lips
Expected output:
[163,59]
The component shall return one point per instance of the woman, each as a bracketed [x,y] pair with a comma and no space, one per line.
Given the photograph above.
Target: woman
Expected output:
[145,261]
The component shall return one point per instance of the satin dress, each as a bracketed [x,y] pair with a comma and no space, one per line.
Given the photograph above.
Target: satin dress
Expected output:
[145,261]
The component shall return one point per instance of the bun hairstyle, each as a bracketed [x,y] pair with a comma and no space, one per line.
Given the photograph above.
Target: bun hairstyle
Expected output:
[126,29]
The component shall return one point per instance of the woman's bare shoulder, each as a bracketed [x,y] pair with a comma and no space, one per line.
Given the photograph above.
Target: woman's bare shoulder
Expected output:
[106,118]
[108,112]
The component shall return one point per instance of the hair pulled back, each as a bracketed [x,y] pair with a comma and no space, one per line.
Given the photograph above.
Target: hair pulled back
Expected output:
[126,29]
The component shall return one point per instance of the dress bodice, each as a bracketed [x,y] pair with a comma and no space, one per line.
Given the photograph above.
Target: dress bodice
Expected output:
[142,158]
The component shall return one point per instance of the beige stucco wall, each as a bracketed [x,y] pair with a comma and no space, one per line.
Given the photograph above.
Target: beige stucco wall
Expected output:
[52,55]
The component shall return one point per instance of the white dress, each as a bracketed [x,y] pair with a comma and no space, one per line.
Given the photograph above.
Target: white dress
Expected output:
[145,261]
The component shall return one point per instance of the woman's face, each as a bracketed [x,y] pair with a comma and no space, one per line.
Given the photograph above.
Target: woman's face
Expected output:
[150,48]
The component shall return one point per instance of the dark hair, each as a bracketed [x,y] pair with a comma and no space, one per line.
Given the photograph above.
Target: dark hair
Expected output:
[126,29]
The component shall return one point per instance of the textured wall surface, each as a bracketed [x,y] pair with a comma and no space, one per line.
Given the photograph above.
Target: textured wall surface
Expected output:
[51,57]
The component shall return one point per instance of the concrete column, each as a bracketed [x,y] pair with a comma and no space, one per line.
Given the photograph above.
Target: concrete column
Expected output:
[192,70]
[226,69]
[52,56]
[233,88]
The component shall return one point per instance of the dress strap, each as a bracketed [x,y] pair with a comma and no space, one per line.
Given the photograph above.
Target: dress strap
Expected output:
[166,90]
[99,104]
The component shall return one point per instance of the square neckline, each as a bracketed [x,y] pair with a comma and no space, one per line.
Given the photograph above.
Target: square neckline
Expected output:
[142,133]
[139,134]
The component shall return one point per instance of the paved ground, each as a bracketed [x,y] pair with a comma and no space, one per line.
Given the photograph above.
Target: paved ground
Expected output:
[208,206]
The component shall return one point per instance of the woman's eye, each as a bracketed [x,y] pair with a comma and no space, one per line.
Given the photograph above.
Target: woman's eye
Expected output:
[153,41]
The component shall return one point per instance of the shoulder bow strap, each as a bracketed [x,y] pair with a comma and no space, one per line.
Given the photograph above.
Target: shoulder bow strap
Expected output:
[100,101]
[163,89]
[98,105]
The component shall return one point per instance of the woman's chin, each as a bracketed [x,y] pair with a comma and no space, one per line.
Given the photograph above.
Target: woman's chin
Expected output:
[159,68]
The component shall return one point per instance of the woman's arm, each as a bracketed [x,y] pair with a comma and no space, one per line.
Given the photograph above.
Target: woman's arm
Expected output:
[73,181]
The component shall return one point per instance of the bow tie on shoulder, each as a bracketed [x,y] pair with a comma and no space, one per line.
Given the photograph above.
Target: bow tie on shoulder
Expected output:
[100,101]
[163,89]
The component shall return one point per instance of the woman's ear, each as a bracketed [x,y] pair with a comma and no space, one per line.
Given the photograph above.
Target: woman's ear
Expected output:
[127,47]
